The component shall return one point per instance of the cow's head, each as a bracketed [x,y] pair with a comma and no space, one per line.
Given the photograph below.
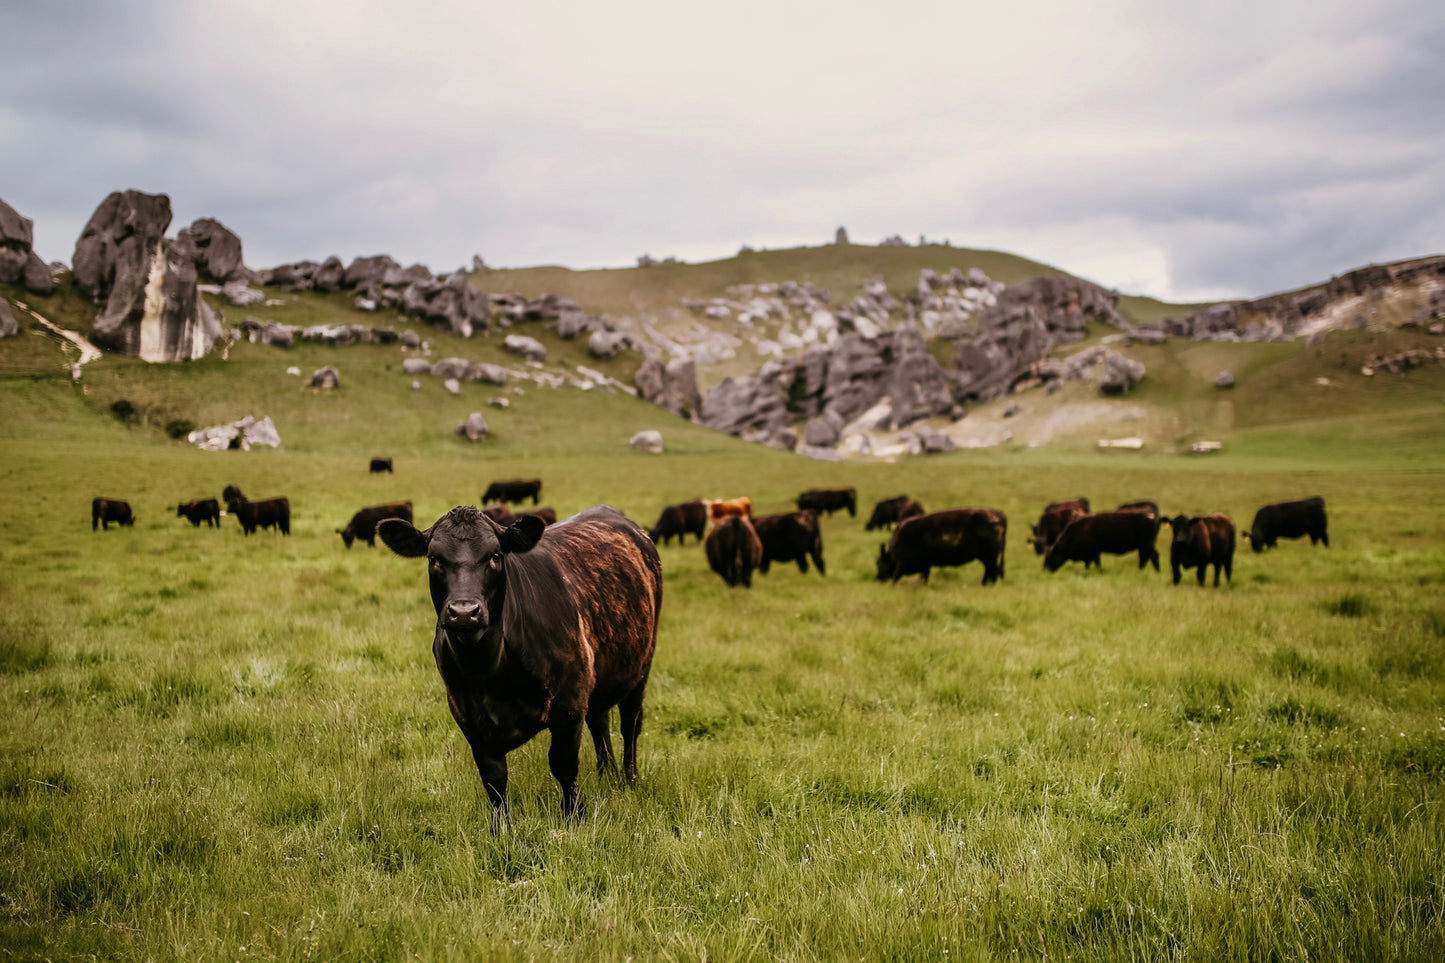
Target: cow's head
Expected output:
[887,564]
[1055,558]
[346,535]
[1255,542]
[181,510]
[1182,525]
[466,562]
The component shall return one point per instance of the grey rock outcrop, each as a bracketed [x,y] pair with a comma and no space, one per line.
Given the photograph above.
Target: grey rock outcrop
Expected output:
[363,269]
[823,431]
[753,407]
[452,303]
[328,276]
[450,368]
[18,260]
[917,387]
[452,385]
[474,428]
[525,347]
[1120,374]
[490,374]
[240,435]
[1001,351]
[300,276]
[241,294]
[672,386]
[1224,380]
[608,344]
[415,366]
[327,377]
[215,249]
[649,441]
[8,324]
[926,441]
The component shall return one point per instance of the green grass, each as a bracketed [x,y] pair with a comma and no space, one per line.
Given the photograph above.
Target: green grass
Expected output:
[219,742]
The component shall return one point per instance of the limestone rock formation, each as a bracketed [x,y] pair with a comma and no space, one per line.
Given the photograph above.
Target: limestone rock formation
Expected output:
[18,260]
[1120,374]
[8,324]
[328,276]
[1224,380]
[525,347]
[215,249]
[327,377]
[241,435]
[451,303]
[672,386]
[365,269]
[649,441]
[474,428]
[414,366]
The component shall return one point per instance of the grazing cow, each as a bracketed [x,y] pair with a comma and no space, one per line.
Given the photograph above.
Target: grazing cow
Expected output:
[500,514]
[103,511]
[379,465]
[231,493]
[268,513]
[1289,520]
[733,550]
[891,511]
[1142,505]
[953,537]
[1201,542]
[687,518]
[829,500]
[199,510]
[540,628]
[515,491]
[720,508]
[1055,519]
[363,523]
[1117,533]
[790,537]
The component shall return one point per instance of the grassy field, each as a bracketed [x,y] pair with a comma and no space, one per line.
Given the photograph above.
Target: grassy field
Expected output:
[237,748]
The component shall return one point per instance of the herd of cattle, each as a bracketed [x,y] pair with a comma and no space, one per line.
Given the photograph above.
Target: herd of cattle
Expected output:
[548,626]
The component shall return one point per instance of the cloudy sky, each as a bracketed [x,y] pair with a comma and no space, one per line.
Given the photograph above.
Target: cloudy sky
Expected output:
[1181,150]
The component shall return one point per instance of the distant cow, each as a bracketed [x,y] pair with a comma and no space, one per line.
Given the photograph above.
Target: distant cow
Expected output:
[1289,520]
[953,537]
[547,515]
[829,500]
[790,537]
[891,511]
[103,511]
[231,493]
[686,518]
[1142,505]
[379,465]
[1117,533]
[199,510]
[720,508]
[540,628]
[500,514]
[515,491]
[269,513]
[733,550]
[1055,519]
[363,523]
[1200,542]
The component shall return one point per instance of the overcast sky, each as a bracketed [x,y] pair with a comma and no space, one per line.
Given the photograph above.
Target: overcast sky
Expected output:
[1187,151]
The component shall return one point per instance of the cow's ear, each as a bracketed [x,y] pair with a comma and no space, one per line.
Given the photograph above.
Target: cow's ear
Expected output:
[403,538]
[523,534]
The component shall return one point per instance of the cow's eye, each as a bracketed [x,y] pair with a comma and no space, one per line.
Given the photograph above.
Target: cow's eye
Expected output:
[435,564]
[496,558]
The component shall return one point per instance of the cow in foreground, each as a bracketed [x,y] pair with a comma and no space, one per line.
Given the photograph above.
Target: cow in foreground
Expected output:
[953,537]
[1117,533]
[103,511]
[1199,542]
[515,491]
[734,550]
[540,628]
[891,511]
[790,537]
[379,465]
[268,513]
[199,510]
[363,523]
[682,520]
[1056,518]
[1289,520]
[829,500]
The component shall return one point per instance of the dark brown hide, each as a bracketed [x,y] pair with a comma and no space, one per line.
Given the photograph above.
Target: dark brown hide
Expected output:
[1289,520]
[733,550]
[829,500]
[103,511]
[199,510]
[1117,533]
[953,537]
[1199,542]
[380,465]
[516,491]
[268,513]
[790,537]
[1055,519]
[888,512]
[363,523]
[686,518]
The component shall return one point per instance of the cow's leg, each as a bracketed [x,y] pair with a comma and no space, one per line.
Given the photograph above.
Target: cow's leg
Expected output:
[818,561]
[1175,567]
[493,769]
[562,757]
[925,576]
[1154,557]
[1203,568]
[630,709]
[602,740]
[765,564]
[1217,567]
[803,564]
[1229,570]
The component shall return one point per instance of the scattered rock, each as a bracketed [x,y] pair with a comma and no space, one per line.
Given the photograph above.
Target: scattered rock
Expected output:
[18,260]
[453,385]
[1011,409]
[785,439]
[448,368]
[1436,329]
[415,366]
[1205,447]
[500,403]
[241,435]
[525,347]
[474,428]
[410,338]
[926,441]
[1224,380]
[672,386]
[491,374]
[327,377]
[1120,374]
[364,269]
[825,430]
[1146,335]
[215,249]
[607,344]
[649,441]
[8,324]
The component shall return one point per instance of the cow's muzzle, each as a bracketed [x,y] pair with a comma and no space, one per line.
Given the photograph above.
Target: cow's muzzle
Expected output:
[464,614]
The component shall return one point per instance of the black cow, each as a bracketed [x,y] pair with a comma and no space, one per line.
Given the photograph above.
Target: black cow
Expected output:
[682,520]
[1202,541]
[199,510]
[829,500]
[1117,533]
[268,513]
[891,511]
[953,537]
[231,493]
[363,523]
[103,511]
[516,491]
[790,537]
[1289,520]
[379,465]
[733,550]
[547,515]
[540,628]
[1055,519]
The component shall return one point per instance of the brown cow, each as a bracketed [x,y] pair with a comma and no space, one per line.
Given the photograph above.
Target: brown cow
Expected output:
[686,518]
[953,537]
[199,510]
[1117,533]
[720,508]
[733,550]
[363,523]
[829,500]
[547,515]
[1055,519]
[516,491]
[1201,542]
[540,628]
[103,511]
[379,465]
[1289,520]
[500,514]
[268,513]
[790,537]
[891,511]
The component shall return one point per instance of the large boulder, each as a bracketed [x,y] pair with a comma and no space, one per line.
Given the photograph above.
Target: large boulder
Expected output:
[416,366]
[450,368]
[18,260]
[525,347]
[8,324]
[672,386]
[823,431]
[1120,374]
[452,304]
[1005,347]
[327,377]
[328,276]
[300,276]
[365,269]
[215,249]
[241,435]
[490,374]
[649,441]
[608,344]
[474,428]
[917,386]
[755,407]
